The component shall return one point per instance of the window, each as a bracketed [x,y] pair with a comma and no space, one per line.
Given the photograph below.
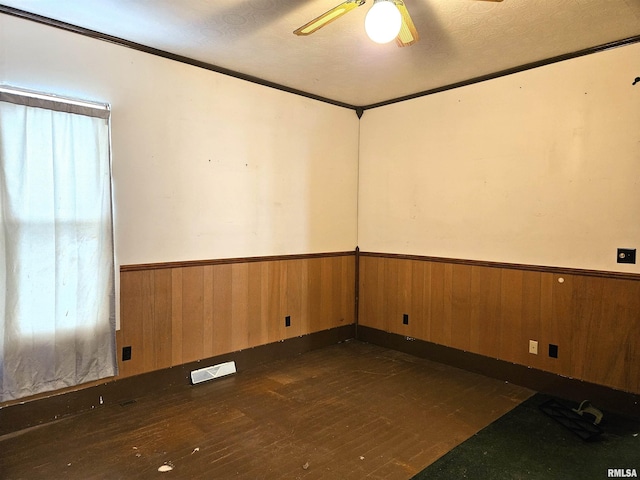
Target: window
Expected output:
[57,314]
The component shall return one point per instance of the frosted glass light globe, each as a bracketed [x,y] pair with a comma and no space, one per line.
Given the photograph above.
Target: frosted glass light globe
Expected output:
[383,21]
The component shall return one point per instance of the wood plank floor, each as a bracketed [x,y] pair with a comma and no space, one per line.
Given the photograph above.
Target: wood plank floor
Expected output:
[349,411]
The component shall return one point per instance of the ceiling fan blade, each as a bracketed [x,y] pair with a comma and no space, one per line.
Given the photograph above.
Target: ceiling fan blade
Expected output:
[408,34]
[328,17]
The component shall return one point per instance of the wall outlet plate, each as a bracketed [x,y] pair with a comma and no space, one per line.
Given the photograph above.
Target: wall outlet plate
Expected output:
[533,347]
[626,255]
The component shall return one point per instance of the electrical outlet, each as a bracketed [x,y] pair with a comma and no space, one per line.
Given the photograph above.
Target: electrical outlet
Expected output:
[287,321]
[126,353]
[533,347]
[626,255]
[405,319]
[553,350]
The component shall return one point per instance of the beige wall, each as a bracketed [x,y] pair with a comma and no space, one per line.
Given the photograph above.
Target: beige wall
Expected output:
[541,167]
[536,168]
[204,165]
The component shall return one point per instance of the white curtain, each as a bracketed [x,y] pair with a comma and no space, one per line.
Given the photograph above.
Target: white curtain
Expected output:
[57,319]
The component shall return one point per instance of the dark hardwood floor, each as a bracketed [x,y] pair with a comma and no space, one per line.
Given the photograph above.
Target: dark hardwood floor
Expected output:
[349,411]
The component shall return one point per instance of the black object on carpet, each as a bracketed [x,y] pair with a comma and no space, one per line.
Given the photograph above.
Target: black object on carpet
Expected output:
[581,425]
[525,443]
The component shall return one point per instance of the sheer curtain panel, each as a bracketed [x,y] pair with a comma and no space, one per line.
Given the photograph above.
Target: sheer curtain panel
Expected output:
[57,316]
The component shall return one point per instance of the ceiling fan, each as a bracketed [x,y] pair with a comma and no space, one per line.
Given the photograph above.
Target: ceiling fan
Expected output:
[405,35]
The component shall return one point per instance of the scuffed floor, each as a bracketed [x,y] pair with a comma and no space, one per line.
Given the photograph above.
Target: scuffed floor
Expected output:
[349,411]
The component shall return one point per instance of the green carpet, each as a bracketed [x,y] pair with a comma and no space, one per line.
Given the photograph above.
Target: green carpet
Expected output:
[525,443]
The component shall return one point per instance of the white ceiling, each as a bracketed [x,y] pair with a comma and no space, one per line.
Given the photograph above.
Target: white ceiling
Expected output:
[461,40]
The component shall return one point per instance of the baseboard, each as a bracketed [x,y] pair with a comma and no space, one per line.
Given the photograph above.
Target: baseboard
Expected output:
[27,414]
[603,397]
[121,391]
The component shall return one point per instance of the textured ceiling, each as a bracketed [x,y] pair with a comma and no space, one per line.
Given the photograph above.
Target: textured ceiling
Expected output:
[460,39]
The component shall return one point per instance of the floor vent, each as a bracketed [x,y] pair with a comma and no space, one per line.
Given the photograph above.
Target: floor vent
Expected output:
[216,371]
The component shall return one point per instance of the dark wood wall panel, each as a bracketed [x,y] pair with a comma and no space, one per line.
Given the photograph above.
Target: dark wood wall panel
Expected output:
[239,310]
[370,284]
[463,322]
[440,298]
[221,315]
[161,327]
[495,310]
[179,314]
[192,313]
[176,319]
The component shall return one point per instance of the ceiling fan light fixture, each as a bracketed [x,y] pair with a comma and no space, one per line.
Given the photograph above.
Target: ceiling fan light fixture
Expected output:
[383,21]
[328,17]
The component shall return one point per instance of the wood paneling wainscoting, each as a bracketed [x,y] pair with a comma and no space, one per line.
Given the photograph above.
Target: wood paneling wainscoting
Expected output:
[174,316]
[176,313]
[495,309]
[478,316]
